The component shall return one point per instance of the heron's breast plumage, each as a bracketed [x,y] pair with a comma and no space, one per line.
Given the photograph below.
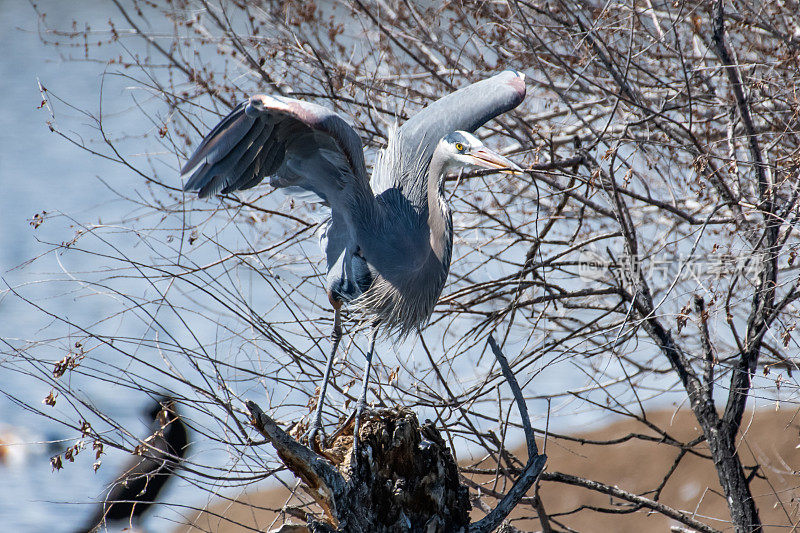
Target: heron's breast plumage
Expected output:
[404,264]
[402,305]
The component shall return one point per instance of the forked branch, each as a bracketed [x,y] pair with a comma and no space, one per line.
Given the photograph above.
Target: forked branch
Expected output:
[535,463]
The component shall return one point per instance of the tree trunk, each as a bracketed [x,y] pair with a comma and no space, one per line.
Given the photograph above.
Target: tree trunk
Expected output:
[722,443]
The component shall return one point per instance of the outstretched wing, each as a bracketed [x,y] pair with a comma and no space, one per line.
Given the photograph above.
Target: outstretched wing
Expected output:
[409,152]
[298,144]
[304,148]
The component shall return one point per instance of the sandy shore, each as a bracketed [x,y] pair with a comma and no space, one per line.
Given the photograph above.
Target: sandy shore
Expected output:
[634,465]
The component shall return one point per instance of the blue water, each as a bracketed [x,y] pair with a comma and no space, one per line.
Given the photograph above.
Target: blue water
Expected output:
[40,172]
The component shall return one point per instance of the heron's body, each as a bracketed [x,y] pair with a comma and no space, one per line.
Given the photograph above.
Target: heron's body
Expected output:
[395,267]
[389,240]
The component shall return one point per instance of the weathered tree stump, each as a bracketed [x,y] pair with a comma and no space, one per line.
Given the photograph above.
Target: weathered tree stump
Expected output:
[405,478]
[408,475]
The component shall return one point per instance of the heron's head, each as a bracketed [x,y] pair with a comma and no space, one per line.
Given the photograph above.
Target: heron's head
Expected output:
[464,150]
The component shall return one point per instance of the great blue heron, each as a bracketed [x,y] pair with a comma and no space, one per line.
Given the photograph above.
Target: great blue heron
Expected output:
[388,241]
[138,485]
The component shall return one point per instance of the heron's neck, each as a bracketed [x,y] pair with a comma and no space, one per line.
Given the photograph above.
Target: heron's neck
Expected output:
[438,212]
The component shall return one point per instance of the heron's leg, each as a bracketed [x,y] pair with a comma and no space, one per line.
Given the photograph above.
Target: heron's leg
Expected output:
[316,423]
[362,399]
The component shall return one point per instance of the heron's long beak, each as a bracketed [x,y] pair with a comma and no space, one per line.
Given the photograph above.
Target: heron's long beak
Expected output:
[485,158]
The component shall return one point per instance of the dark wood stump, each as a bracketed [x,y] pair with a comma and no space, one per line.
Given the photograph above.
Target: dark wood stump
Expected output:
[404,478]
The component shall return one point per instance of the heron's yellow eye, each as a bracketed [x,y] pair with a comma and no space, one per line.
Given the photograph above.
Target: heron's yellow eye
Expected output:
[459,147]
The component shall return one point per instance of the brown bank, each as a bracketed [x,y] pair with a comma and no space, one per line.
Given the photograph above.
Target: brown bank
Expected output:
[770,438]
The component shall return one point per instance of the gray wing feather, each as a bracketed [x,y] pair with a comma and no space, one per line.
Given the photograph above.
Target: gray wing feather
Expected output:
[227,160]
[300,144]
[228,128]
[409,151]
[302,147]
[349,275]
[466,109]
